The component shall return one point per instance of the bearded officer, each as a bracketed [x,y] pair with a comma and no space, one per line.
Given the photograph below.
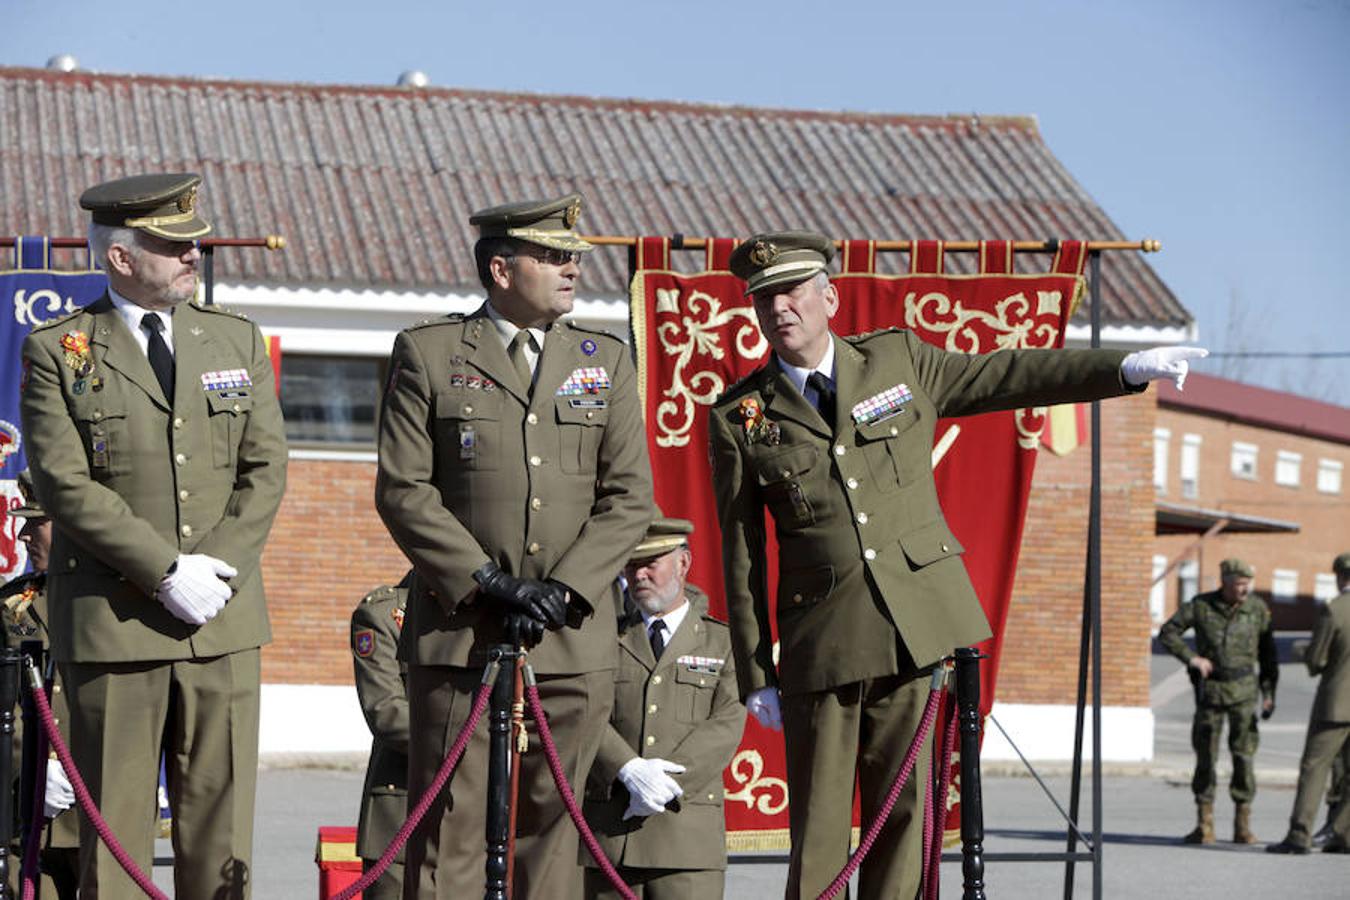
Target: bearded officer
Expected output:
[513,473]
[157,448]
[871,590]
[654,796]
[380,688]
[24,615]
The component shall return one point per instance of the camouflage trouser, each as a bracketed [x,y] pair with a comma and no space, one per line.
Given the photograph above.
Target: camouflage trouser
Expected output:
[1242,742]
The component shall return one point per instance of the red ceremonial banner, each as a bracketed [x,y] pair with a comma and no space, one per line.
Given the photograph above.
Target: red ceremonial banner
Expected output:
[696,335]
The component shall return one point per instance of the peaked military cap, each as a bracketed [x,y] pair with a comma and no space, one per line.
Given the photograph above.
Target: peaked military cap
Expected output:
[780,257]
[1235,568]
[1341,564]
[663,536]
[163,205]
[31,508]
[548,223]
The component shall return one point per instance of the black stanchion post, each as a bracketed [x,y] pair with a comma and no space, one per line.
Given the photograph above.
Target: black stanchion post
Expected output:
[972,799]
[499,775]
[11,661]
[29,761]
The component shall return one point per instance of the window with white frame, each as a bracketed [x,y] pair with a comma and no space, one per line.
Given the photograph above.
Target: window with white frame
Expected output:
[1324,588]
[1162,437]
[1287,465]
[330,400]
[1190,466]
[1329,476]
[1242,462]
[1284,585]
[1188,580]
[1157,595]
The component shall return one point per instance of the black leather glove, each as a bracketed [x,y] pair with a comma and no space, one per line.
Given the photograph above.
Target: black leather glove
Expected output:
[544,602]
[1267,713]
[577,609]
[523,630]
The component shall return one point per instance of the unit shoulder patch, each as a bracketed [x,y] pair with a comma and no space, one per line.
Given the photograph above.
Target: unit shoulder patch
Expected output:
[363,642]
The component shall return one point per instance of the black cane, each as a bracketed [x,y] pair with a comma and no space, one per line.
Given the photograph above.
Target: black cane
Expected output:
[972,800]
[499,775]
[10,661]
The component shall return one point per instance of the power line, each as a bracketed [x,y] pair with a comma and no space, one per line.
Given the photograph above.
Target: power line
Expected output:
[1264,354]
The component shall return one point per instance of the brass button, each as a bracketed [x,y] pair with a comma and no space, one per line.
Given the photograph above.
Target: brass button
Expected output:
[56,689]
[535,461]
[852,484]
[651,739]
[651,709]
[186,530]
[784,473]
[180,459]
[656,679]
[183,495]
[98,414]
[71,563]
[702,682]
[869,554]
[590,414]
[468,409]
[177,423]
[838,449]
[712,797]
[796,598]
[944,548]
[390,787]
[532,419]
[533,548]
[862,518]
[536,503]
[894,431]
[238,408]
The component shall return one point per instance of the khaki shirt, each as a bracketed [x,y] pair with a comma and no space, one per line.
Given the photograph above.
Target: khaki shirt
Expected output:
[554,484]
[867,565]
[131,482]
[684,709]
[1329,657]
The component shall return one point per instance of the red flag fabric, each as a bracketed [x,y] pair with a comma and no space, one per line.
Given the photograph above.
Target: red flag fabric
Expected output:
[696,335]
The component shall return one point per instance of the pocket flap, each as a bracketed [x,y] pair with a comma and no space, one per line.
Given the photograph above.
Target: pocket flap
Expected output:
[469,405]
[589,409]
[686,675]
[785,465]
[929,543]
[803,587]
[221,401]
[98,411]
[890,427]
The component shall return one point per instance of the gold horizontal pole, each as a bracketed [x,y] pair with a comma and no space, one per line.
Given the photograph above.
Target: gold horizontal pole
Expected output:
[1147,245]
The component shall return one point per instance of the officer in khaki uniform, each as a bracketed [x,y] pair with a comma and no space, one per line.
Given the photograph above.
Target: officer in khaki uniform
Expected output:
[654,796]
[1329,723]
[157,447]
[513,473]
[834,436]
[376,623]
[1235,665]
[23,612]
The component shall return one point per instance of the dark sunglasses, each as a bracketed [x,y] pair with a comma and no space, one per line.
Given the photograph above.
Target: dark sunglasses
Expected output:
[550,255]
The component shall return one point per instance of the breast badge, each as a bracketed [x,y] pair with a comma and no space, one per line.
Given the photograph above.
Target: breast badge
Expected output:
[77,355]
[758,430]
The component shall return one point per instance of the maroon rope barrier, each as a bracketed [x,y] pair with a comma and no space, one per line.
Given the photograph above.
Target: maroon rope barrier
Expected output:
[893,795]
[933,861]
[82,793]
[565,789]
[429,795]
[36,817]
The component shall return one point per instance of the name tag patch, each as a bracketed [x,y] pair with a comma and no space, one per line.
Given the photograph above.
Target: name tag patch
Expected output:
[588,403]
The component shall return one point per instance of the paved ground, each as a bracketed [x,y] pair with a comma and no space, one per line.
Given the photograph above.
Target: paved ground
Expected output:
[1146,809]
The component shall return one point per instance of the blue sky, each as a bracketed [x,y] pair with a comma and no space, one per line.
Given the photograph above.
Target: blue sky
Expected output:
[1222,129]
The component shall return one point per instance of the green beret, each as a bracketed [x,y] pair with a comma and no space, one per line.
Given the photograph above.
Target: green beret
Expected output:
[162,205]
[31,509]
[1341,564]
[1235,568]
[547,223]
[780,257]
[662,536]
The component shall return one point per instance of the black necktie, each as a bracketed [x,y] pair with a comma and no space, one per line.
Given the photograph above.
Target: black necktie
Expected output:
[824,396]
[161,360]
[658,637]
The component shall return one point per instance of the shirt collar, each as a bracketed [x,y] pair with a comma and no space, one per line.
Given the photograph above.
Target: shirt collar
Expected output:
[508,330]
[798,375]
[132,315]
[672,619]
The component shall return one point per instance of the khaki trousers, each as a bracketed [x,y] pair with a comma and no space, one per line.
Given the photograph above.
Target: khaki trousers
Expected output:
[203,715]
[867,727]
[446,856]
[1324,745]
[659,884]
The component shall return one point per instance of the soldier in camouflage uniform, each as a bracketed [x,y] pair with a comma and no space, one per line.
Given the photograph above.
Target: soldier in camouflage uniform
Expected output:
[1233,640]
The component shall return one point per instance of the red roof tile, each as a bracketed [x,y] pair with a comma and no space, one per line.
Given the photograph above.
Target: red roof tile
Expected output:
[1258,406]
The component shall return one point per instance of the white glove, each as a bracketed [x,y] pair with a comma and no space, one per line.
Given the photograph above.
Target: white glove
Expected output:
[60,795]
[195,590]
[1144,366]
[650,786]
[763,705]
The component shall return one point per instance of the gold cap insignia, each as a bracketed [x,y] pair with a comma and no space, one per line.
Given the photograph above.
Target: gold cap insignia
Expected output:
[763,253]
[188,201]
[570,214]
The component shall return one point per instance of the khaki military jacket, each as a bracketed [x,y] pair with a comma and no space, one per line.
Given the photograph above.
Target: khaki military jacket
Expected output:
[376,623]
[130,483]
[1240,642]
[683,709]
[23,612]
[1329,656]
[867,565]
[553,484]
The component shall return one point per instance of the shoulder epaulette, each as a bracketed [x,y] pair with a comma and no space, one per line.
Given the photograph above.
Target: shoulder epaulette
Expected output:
[709,617]
[222,311]
[383,592]
[447,319]
[859,338]
[52,323]
[598,332]
[749,382]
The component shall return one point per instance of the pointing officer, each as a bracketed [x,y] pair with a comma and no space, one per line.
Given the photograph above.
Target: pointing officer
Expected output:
[513,473]
[654,797]
[834,436]
[157,448]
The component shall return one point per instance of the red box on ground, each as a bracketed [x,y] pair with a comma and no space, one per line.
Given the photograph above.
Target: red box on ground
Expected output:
[339,866]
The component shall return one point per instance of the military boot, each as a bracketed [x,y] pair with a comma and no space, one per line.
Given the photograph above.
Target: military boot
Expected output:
[1242,825]
[1203,833]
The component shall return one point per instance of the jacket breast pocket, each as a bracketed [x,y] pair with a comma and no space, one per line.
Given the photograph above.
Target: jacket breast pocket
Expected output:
[107,441]
[800,589]
[694,703]
[929,544]
[228,412]
[894,455]
[581,425]
[469,430]
[780,481]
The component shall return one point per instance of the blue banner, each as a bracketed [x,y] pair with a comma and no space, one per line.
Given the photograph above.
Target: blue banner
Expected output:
[30,294]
